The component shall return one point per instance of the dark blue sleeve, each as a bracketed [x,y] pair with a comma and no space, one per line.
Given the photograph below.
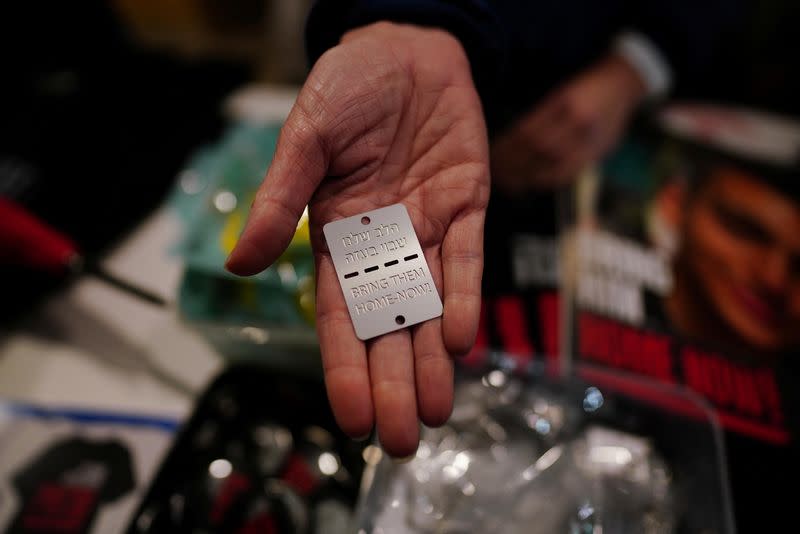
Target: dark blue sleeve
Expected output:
[520,50]
[473,22]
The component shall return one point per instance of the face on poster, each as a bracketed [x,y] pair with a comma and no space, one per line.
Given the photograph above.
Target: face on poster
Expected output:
[702,244]
[737,263]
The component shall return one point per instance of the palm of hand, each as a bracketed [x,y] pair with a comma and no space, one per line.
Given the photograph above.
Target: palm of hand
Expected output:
[381,120]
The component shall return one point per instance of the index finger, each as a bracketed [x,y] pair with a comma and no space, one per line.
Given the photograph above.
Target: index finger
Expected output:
[299,165]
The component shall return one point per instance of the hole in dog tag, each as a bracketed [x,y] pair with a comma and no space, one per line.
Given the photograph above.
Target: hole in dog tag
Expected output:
[382,271]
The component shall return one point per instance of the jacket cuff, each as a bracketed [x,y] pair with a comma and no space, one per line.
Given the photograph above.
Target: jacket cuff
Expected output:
[648,62]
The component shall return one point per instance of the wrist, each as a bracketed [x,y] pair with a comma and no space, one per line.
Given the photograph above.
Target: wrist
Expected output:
[399,32]
[416,45]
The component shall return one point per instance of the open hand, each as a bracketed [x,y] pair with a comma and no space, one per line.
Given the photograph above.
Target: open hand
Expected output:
[389,115]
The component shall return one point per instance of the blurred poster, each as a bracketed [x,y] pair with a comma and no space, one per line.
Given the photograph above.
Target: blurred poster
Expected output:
[683,266]
[519,314]
[67,471]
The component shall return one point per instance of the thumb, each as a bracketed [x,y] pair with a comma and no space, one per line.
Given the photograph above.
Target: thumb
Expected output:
[299,164]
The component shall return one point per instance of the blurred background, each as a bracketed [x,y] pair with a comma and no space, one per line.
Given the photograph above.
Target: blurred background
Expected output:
[639,322]
[104,101]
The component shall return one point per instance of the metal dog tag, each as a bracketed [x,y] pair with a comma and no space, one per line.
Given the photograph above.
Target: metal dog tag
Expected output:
[383,273]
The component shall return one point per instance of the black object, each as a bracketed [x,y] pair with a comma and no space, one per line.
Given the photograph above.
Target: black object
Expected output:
[94,129]
[123,285]
[62,489]
[261,453]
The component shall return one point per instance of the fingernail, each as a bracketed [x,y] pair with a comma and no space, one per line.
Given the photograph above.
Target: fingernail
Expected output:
[228,264]
[405,459]
[359,439]
[231,262]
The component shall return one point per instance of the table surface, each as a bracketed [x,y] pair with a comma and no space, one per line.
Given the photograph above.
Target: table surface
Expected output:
[93,346]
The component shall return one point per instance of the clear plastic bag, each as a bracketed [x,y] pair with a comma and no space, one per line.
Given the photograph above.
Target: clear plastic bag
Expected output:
[537,455]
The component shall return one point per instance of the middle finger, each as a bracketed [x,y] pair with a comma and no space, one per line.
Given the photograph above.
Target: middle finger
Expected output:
[391,369]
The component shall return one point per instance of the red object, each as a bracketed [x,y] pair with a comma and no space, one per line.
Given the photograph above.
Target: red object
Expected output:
[550,317]
[299,476]
[262,524]
[26,241]
[513,329]
[57,508]
[476,357]
[236,485]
